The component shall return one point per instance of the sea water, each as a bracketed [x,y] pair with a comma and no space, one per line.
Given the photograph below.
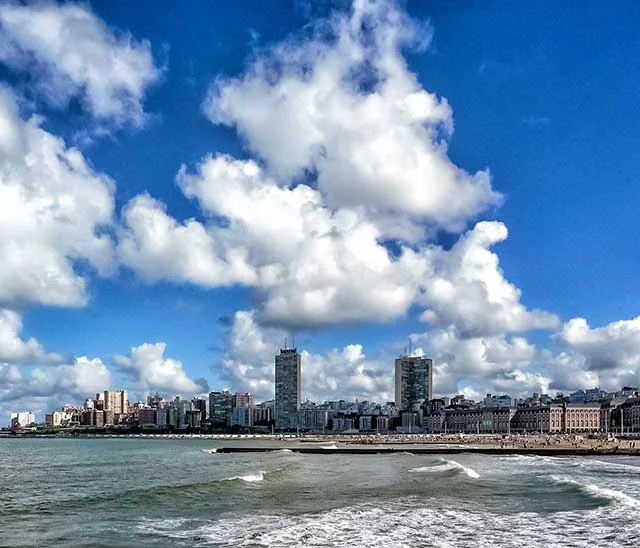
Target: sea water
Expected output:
[181,493]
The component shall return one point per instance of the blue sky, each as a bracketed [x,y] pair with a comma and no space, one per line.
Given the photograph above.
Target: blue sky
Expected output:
[534,102]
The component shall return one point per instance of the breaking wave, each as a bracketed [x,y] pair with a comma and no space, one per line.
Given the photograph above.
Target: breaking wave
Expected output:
[332,446]
[597,492]
[249,478]
[210,451]
[446,465]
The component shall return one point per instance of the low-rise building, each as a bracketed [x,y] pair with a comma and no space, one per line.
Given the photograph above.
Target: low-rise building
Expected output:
[581,417]
[54,419]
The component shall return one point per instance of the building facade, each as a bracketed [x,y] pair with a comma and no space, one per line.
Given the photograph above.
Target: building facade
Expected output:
[146,416]
[220,409]
[313,419]
[413,382]
[288,388]
[116,401]
[22,418]
[241,400]
[548,419]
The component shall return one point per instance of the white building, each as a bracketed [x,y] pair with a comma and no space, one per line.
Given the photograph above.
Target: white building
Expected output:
[22,418]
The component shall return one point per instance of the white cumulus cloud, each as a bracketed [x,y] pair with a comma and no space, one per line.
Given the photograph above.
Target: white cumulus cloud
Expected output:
[343,104]
[69,52]
[13,348]
[150,368]
[44,388]
[54,210]
[468,289]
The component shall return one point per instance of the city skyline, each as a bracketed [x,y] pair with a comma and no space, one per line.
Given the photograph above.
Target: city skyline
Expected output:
[583,411]
[414,407]
[366,175]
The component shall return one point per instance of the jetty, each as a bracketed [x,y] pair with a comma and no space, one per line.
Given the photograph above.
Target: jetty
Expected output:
[431,450]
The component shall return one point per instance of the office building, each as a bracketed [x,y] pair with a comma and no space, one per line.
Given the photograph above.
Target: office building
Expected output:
[413,382]
[288,388]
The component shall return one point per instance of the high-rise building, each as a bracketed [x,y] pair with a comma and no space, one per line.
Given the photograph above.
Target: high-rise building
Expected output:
[414,382]
[116,401]
[220,409]
[288,388]
[178,409]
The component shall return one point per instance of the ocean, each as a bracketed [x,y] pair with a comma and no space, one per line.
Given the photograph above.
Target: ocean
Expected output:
[121,493]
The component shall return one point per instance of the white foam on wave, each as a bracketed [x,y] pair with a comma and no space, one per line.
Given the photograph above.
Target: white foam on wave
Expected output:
[332,446]
[249,478]
[434,468]
[210,451]
[447,465]
[466,469]
[281,451]
[603,493]
[406,524]
[607,465]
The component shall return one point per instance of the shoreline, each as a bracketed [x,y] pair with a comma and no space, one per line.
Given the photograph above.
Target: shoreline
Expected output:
[540,445]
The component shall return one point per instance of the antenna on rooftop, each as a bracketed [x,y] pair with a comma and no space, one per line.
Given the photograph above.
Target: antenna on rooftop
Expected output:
[285,342]
[409,346]
[293,340]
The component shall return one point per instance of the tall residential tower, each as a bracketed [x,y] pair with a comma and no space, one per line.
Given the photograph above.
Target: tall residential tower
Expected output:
[116,401]
[414,382]
[288,393]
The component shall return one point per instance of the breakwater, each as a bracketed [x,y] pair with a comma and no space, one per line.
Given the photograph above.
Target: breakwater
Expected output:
[351,450]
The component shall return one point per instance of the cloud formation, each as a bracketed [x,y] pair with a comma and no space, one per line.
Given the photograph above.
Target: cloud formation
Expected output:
[13,349]
[468,289]
[616,345]
[152,371]
[41,389]
[54,210]
[67,52]
[343,104]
